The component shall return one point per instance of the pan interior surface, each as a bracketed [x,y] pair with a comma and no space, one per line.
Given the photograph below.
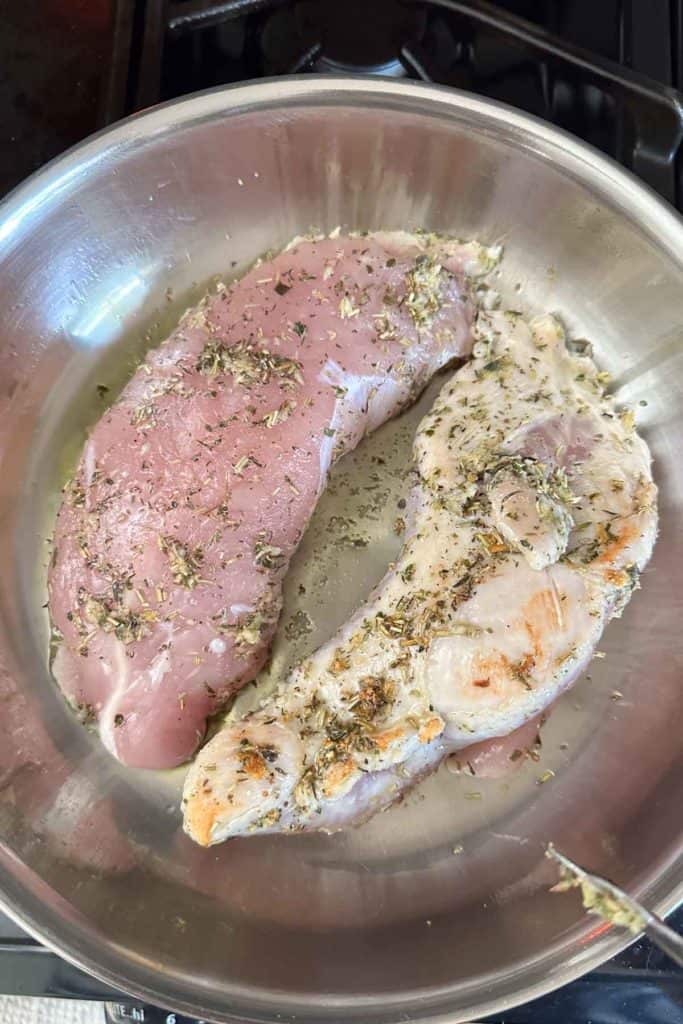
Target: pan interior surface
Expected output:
[438,908]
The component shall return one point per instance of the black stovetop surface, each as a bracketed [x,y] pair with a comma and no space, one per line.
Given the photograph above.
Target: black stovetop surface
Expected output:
[605,70]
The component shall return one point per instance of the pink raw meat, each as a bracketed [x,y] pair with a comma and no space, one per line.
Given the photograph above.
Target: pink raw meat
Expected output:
[498,757]
[195,487]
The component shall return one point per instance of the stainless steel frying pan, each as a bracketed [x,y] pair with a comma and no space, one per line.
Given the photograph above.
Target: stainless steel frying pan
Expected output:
[438,909]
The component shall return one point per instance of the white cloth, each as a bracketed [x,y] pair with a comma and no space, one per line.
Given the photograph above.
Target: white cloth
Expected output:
[25,1010]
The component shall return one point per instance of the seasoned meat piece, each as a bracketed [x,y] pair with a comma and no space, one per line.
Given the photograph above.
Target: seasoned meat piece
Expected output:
[195,487]
[532,513]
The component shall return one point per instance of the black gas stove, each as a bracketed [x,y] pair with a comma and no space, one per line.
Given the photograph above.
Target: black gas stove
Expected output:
[606,70]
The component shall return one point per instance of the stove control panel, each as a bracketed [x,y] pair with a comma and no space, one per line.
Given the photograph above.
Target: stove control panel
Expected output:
[142,1013]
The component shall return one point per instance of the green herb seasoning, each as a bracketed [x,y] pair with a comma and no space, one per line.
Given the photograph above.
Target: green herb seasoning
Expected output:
[248,365]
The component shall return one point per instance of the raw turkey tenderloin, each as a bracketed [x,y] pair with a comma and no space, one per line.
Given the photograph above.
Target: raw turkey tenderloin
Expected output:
[195,487]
